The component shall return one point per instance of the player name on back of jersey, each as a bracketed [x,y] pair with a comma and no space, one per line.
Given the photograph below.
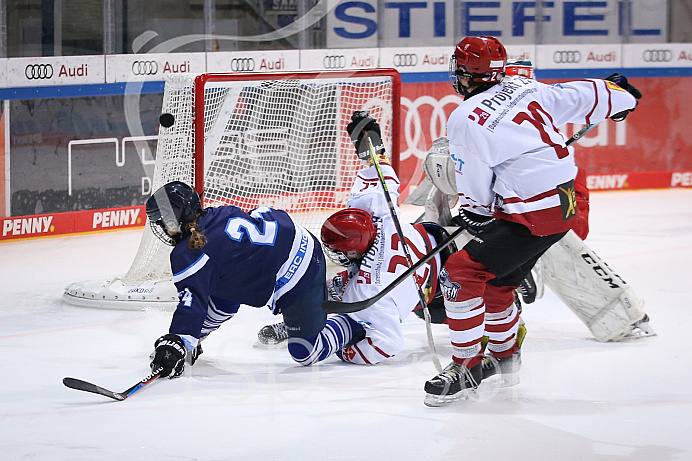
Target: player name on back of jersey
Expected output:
[508,94]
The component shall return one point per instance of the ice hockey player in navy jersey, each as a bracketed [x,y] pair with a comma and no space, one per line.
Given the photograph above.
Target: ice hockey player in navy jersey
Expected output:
[515,180]
[224,257]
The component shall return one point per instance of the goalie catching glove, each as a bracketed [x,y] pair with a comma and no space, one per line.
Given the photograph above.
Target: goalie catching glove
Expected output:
[362,127]
[621,81]
[170,353]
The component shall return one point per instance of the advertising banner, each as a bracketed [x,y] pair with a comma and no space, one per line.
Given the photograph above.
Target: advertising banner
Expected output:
[253,61]
[339,59]
[52,71]
[70,223]
[151,66]
[372,23]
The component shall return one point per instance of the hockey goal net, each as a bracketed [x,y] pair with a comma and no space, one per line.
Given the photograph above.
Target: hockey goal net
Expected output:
[252,140]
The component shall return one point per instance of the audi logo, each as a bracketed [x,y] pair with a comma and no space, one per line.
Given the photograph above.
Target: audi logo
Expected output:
[334,62]
[145,67]
[405,60]
[38,71]
[657,56]
[242,64]
[566,57]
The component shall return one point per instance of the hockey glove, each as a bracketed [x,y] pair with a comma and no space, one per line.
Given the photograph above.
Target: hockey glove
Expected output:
[621,81]
[362,127]
[170,354]
[474,223]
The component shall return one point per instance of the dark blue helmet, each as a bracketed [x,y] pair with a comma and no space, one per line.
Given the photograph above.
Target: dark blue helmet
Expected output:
[170,209]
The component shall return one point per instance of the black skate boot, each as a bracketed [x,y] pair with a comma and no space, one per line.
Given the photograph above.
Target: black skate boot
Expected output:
[453,383]
[508,367]
[273,335]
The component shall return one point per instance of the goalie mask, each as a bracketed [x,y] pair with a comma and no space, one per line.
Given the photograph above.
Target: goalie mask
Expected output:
[481,60]
[347,235]
[170,209]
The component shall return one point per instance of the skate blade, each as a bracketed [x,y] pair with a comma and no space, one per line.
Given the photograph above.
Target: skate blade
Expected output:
[432,400]
[639,330]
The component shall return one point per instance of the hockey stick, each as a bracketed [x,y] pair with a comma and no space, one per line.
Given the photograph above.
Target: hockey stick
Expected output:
[404,245]
[579,134]
[80,385]
[338,307]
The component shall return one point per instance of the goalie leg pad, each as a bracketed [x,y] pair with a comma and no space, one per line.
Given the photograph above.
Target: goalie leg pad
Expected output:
[597,295]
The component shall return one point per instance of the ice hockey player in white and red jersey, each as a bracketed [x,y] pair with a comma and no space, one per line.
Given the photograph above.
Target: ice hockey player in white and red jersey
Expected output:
[224,257]
[515,179]
[363,238]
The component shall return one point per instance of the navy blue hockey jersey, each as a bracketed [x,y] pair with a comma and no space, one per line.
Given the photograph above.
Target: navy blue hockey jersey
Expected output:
[254,259]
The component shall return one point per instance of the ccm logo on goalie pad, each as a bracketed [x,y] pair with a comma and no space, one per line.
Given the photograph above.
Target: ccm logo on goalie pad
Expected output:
[568,199]
[605,274]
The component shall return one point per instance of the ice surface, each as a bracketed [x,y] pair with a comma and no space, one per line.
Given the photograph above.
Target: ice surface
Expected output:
[578,399]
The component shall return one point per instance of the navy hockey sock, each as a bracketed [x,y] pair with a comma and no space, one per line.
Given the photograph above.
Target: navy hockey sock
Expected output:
[337,332]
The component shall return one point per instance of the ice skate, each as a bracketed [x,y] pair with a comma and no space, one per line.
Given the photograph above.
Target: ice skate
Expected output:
[273,335]
[640,329]
[453,383]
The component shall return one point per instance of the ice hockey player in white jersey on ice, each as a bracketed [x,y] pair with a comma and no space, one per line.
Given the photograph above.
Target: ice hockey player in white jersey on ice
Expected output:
[515,180]
[224,257]
[363,238]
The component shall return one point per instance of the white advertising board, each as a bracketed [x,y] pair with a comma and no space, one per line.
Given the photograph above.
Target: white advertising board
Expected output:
[578,56]
[54,70]
[657,55]
[151,66]
[338,59]
[253,61]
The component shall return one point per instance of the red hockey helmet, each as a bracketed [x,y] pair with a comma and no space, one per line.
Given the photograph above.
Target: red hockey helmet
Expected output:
[480,59]
[347,235]
[522,67]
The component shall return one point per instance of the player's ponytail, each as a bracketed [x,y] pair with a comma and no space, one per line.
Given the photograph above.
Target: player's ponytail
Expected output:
[197,238]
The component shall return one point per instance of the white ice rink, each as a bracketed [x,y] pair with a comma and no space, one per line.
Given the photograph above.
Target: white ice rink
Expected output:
[578,399]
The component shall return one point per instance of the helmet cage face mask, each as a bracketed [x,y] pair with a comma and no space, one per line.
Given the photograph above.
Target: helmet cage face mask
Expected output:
[337,256]
[170,208]
[159,230]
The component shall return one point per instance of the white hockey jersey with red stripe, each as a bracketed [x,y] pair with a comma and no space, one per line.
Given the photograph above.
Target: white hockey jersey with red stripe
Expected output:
[510,159]
[381,265]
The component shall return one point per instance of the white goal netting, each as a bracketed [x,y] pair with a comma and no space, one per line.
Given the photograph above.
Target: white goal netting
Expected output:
[253,140]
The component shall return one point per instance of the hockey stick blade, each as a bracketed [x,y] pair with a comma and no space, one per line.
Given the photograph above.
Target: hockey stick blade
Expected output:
[80,385]
[338,307]
[85,386]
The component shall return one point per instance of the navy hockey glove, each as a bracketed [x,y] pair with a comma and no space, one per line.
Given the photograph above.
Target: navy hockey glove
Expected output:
[170,354]
[474,223]
[621,81]
[361,124]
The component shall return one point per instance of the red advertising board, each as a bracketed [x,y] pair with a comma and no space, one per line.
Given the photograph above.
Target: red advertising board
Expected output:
[651,147]
[22,227]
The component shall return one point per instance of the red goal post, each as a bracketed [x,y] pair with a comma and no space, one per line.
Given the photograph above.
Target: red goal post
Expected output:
[255,139]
